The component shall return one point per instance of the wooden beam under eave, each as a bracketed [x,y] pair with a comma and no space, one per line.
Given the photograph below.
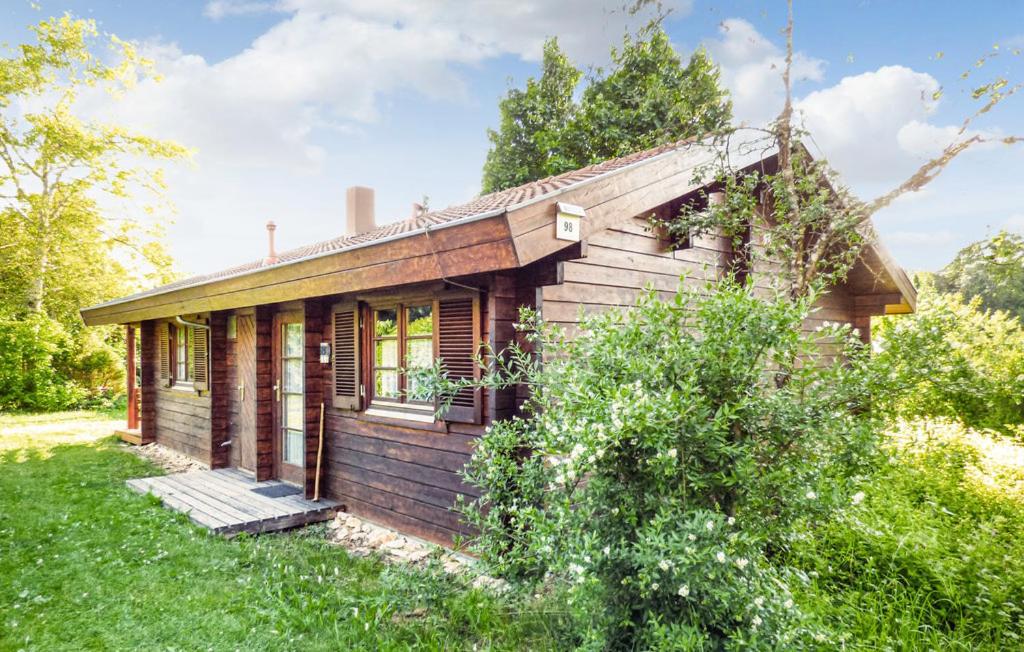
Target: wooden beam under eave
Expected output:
[619,195]
[470,248]
[902,308]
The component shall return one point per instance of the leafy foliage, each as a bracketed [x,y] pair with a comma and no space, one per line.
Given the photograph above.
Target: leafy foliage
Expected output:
[62,178]
[529,143]
[803,222]
[954,359]
[992,269]
[648,98]
[667,452]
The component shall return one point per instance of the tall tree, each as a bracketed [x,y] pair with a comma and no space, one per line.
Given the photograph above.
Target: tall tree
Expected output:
[58,171]
[647,98]
[73,233]
[528,145]
[990,269]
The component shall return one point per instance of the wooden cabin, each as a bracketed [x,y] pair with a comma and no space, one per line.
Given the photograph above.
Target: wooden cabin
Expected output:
[236,364]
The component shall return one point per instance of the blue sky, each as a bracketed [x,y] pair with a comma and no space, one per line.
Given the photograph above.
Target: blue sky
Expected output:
[288,102]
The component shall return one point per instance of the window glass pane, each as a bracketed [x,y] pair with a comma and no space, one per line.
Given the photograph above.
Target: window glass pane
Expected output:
[387,353]
[386,384]
[419,353]
[293,340]
[419,321]
[386,323]
[292,371]
[414,391]
[293,445]
[294,411]
[191,353]
[232,327]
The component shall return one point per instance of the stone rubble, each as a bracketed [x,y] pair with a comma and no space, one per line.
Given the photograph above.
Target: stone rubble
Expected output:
[362,538]
[167,459]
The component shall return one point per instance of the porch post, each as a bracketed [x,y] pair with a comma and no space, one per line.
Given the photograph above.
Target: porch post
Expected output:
[133,407]
[150,364]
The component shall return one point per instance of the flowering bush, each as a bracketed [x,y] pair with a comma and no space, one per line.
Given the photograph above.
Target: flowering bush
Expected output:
[664,455]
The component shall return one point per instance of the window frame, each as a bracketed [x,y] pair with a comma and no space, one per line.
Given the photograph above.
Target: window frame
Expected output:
[174,335]
[401,306]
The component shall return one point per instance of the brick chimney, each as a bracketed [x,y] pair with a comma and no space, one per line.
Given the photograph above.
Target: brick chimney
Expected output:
[359,210]
[271,252]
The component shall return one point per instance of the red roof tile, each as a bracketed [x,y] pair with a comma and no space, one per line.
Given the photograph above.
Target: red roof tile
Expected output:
[493,202]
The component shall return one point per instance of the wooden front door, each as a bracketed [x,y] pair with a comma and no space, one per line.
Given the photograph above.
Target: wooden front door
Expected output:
[289,397]
[243,396]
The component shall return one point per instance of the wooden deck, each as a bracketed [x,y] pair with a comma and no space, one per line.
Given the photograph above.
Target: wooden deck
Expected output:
[224,502]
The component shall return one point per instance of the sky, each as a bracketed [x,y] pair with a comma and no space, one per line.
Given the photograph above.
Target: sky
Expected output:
[286,103]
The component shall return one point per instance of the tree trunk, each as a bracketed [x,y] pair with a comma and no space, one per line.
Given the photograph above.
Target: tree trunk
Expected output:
[37,287]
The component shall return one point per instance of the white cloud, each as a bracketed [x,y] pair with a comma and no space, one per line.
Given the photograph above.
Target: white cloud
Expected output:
[752,70]
[271,123]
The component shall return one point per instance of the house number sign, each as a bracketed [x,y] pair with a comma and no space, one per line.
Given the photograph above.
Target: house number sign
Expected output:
[568,222]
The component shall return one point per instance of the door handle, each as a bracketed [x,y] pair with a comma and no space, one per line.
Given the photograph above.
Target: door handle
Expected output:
[277,389]
[241,392]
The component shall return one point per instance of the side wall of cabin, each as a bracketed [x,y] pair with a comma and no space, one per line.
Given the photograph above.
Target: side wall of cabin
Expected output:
[622,260]
[405,473]
[176,417]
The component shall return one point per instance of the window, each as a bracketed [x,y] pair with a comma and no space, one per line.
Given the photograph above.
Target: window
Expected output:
[184,355]
[403,338]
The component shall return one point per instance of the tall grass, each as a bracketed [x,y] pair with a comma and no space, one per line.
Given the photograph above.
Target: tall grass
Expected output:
[933,558]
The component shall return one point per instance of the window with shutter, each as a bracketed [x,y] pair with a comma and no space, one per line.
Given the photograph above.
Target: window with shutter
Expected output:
[201,359]
[458,346]
[346,356]
[164,347]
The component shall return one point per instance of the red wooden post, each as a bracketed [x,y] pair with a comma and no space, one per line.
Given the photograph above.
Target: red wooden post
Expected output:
[133,404]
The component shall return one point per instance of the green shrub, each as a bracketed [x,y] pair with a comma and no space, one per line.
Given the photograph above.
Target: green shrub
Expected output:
[953,359]
[45,367]
[670,450]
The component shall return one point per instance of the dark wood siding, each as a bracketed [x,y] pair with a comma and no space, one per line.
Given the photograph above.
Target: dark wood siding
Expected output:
[623,260]
[183,422]
[403,473]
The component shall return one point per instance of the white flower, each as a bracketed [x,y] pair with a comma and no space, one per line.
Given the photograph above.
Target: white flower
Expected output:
[720,556]
[756,620]
[672,452]
[654,587]
[691,537]
[607,550]
[591,459]
[759,601]
[576,569]
[857,498]
[664,564]
[811,495]
[683,591]
[741,563]
[710,525]
[731,521]
[788,604]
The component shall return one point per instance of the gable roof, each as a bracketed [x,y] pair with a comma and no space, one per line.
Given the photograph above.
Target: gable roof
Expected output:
[501,230]
[483,206]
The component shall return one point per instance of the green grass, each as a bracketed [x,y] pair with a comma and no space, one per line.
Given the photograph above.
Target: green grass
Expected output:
[933,559]
[87,564]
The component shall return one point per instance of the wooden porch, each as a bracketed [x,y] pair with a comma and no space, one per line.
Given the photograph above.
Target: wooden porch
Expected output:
[228,501]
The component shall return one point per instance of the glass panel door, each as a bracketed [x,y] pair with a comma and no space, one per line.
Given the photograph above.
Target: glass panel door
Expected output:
[292,398]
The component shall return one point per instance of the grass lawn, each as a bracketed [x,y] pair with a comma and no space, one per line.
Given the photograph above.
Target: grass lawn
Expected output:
[87,564]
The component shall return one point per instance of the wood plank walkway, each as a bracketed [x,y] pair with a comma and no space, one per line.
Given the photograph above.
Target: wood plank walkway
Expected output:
[224,502]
